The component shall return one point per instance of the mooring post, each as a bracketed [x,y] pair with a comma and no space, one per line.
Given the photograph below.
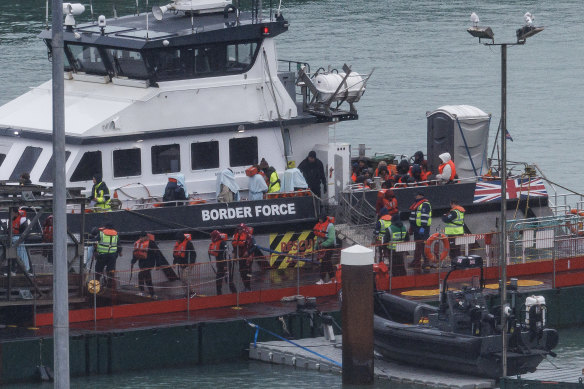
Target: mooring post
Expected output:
[357,315]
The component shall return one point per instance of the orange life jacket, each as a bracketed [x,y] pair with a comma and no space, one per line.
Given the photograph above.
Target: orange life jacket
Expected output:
[452,169]
[458,208]
[390,205]
[320,228]
[141,248]
[180,249]
[426,175]
[16,222]
[354,177]
[242,237]
[215,247]
[48,229]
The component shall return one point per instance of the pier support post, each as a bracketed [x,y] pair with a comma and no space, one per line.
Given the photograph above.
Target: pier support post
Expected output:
[357,315]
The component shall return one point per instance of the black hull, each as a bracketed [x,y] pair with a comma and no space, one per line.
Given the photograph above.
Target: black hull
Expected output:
[283,212]
[422,345]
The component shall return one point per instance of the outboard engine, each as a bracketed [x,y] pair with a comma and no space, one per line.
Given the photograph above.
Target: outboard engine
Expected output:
[535,314]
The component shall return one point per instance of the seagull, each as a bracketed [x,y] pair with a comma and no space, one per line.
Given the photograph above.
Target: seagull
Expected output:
[528,19]
[474,18]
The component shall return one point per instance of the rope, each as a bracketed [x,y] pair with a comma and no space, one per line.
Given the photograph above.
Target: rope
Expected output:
[257,328]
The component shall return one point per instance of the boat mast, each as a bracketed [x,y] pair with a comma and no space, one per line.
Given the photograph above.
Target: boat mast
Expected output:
[60,276]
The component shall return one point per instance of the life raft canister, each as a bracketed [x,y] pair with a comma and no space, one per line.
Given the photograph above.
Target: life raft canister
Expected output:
[442,241]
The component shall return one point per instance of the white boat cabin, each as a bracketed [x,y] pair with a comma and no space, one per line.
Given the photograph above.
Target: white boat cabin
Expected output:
[194,92]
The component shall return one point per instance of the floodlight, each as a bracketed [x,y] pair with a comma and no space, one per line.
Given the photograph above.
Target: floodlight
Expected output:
[481,32]
[74,9]
[526,31]
[157,11]
[101,21]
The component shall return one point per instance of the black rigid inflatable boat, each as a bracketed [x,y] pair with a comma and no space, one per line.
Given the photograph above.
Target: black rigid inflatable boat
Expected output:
[461,335]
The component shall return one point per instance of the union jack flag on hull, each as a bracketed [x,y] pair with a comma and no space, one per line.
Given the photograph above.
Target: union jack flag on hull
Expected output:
[520,188]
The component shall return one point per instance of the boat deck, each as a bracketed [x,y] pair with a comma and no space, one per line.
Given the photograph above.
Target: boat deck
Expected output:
[11,333]
[284,353]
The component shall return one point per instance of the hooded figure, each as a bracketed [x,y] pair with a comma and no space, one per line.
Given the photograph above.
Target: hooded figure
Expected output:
[418,157]
[257,187]
[100,195]
[446,171]
[227,189]
[313,171]
[293,180]
[175,188]
[271,176]
[416,172]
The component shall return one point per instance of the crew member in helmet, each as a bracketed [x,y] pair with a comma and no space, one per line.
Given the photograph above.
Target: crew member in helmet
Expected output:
[447,170]
[243,250]
[183,252]
[145,253]
[218,250]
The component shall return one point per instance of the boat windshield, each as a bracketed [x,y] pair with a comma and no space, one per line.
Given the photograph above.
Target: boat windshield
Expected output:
[86,59]
[178,63]
[128,63]
[202,61]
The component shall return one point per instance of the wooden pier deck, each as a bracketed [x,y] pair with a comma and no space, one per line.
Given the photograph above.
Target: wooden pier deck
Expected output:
[284,353]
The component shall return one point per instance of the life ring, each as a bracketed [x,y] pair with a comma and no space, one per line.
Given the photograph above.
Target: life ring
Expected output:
[576,228]
[428,248]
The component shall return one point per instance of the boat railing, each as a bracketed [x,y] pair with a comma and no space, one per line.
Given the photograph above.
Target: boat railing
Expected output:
[292,66]
[292,266]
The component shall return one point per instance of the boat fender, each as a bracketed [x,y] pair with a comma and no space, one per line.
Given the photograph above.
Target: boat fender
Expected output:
[429,247]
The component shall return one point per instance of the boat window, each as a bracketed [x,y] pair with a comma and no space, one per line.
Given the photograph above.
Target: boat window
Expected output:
[165,159]
[240,56]
[67,66]
[205,155]
[89,165]
[26,162]
[243,151]
[127,162]
[128,63]
[2,158]
[87,59]
[201,61]
[49,173]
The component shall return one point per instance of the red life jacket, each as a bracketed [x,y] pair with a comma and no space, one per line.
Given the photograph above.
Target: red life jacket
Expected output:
[48,229]
[391,205]
[215,247]
[415,206]
[242,237]
[452,169]
[141,248]
[320,228]
[16,222]
[180,249]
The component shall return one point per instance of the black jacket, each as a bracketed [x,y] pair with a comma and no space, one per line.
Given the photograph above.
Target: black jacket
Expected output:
[173,192]
[313,173]
[151,259]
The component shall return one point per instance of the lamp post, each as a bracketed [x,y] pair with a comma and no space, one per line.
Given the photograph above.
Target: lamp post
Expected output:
[522,34]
